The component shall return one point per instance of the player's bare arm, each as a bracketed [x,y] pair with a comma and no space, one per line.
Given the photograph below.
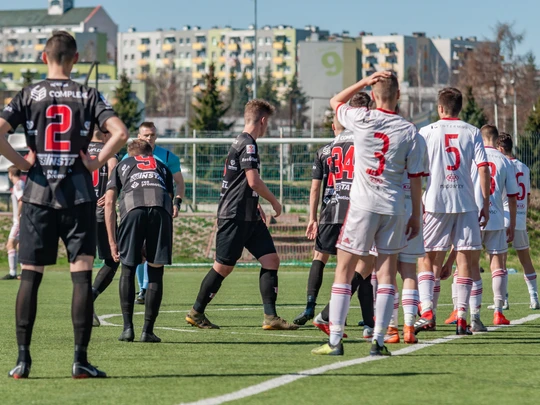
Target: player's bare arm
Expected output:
[110,222]
[119,137]
[180,190]
[257,185]
[485,183]
[512,207]
[110,166]
[262,213]
[345,95]
[413,226]
[6,149]
[315,192]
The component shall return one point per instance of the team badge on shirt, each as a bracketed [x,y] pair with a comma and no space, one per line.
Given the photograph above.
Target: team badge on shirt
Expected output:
[250,149]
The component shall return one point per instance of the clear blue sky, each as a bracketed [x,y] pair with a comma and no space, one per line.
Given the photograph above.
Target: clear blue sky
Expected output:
[445,18]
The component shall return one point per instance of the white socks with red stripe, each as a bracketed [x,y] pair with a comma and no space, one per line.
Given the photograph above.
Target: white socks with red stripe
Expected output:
[409,301]
[374,285]
[530,280]
[499,283]
[383,311]
[475,302]
[340,301]
[436,293]
[464,287]
[454,290]
[395,312]
[426,283]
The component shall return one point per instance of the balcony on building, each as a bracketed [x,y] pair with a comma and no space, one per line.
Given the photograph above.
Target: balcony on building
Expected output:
[197,60]
[167,61]
[247,61]
[233,47]
[39,47]
[222,59]
[143,62]
[278,46]
[247,46]
[167,47]
[10,49]
[278,60]
[142,48]
[278,74]
[367,65]
[387,65]
[142,76]
[197,74]
[222,74]
[198,46]
[370,49]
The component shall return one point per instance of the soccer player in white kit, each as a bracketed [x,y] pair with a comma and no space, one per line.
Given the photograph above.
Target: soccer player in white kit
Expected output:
[451,214]
[495,236]
[386,145]
[521,238]
[14,175]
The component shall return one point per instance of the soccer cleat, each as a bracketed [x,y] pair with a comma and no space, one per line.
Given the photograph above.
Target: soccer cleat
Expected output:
[9,277]
[425,323]
[199,320]
[500,319]
[328,350]
[377,350]
[477,326]
[535,304]
[82,370]
[408,335]
[392,335]
[505,307]
[323,326]
[452,319]
[149,338]
[140,297]
[96,322]
[304,317]
[462,328]
[21,370]
[367,333]
[277,323]
[127,335]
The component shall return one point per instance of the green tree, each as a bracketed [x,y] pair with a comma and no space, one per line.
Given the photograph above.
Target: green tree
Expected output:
[28,78]
[472,112]
[126,105]
[528,148]
[232,86]
[266,90]
[209,109]
[242,94]
[297,101]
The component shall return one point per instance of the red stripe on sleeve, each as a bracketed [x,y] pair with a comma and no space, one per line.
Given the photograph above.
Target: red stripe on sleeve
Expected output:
[339,105]
[482,164]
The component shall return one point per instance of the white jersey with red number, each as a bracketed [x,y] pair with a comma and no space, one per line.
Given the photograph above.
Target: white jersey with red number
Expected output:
[453,147]
[523,178]
[503,182]
[385,146]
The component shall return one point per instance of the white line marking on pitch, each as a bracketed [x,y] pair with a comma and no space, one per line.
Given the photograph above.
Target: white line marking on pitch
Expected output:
[289,378]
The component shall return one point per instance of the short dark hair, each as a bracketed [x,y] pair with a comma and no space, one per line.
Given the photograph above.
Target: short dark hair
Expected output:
[61,48]
[139,147]
[387,88]
[147,124]
[506,142]
[14,171]
[257,109]
[360,99]
[451,100]
[490,131]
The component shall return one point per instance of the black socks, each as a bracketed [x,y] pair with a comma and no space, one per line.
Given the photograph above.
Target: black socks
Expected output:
[268,284]
[315,280]
[127,294]
[154,294]
[25,311]
[82,307]
[365,296]
[209,288]
[104,277]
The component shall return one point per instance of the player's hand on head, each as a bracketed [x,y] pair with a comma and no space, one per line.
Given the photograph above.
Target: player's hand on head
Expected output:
[375,77]
[413,227]
[312,230]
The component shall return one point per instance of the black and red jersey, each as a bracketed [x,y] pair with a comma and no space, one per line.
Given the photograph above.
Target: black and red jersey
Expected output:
[142,181]
[99,177]
[58,118]
[321,171]
[238,200]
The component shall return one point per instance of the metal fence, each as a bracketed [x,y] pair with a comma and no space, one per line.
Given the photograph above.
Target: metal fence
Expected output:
[286,164]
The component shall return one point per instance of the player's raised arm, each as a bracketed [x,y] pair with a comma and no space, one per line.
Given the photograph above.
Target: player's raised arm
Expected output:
[345,95]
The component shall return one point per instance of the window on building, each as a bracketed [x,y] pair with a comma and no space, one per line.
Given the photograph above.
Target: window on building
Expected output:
[126,56]
[188,41]
[145,41]
[125,42]
[188,55]
[188,69]
[268,55]
[158,41]
[158,56]
[132,42]
[132,56]
[213,55]
[288,69]
[288,40]
[268,41]
[181,41]
[261,41]
[181,55]
[132,72]
[180,69]
[42,41]
[23,42]
[260,56]
[29,42]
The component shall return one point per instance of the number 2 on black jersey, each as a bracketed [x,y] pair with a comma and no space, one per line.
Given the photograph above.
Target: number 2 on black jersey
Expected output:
[64,113]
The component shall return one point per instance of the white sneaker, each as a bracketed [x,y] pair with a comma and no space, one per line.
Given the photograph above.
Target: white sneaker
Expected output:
[368,332]
[535,304]
[506,306]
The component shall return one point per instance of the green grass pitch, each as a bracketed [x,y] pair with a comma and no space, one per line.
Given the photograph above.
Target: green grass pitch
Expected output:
[497,367]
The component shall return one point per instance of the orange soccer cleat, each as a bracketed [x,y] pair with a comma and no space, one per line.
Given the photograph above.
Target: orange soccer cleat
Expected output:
[452,319]
[500,319]
[392,335]
[408,335]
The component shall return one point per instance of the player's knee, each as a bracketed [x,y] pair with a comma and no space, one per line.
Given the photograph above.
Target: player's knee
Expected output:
[270,261]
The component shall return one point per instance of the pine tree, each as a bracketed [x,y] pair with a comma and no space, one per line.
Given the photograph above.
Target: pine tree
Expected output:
[473,113]
[126,106]
[266,90]
[242,94]
[28,78]
[209,109]
[297,101]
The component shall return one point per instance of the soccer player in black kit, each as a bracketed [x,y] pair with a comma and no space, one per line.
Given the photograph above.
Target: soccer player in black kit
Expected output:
[99,180]
[59,117]
[145,186]
[241,223]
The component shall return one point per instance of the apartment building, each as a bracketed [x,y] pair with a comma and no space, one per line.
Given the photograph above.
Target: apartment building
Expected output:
[192,49]
[23,33]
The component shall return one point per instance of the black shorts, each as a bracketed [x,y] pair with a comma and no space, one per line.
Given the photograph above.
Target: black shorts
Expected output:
[327,237]
[235,235]
[150,225]
[41,227]
[103,247]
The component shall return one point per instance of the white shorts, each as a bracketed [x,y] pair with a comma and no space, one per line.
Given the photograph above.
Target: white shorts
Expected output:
[461,230]
[521,239]
[14,233]
[411,253]
[362,229]
[495,241]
